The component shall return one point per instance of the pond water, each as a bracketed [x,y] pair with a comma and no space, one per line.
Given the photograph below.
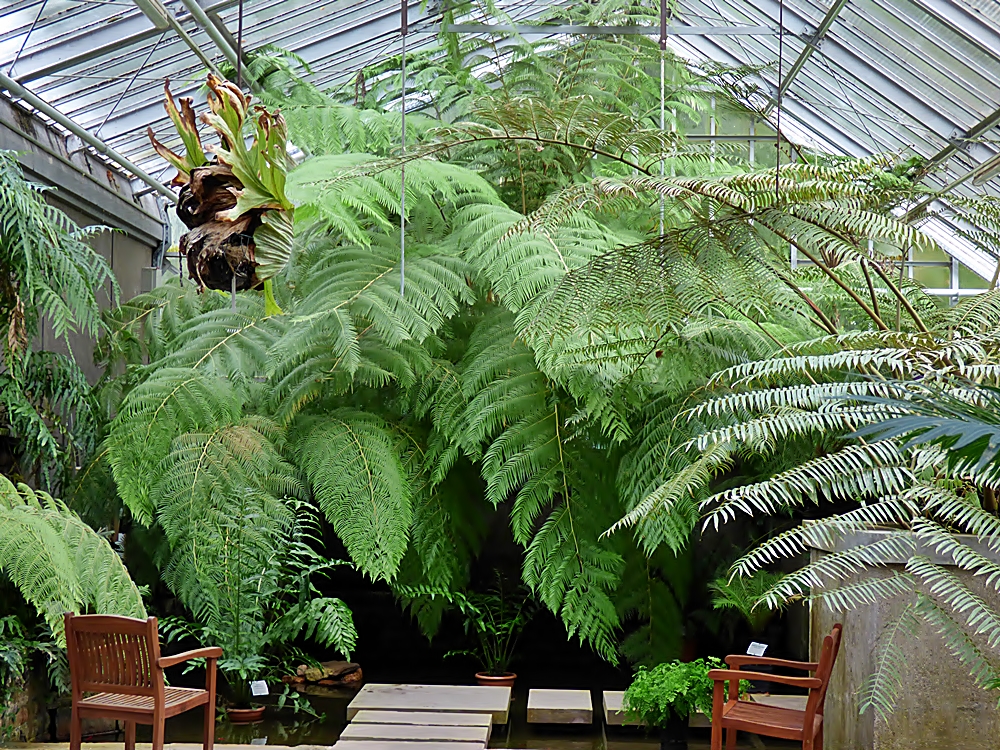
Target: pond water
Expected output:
[285,728]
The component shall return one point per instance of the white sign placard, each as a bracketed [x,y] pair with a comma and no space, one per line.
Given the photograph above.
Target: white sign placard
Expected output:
[756,649]
[258,688]
[258,741]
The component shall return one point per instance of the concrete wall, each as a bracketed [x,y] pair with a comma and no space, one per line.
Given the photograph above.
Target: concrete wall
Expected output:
[940,707]
[90,192]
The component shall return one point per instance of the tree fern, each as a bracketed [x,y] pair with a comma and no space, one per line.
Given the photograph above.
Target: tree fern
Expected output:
[352,462]
[57,562]
[48,275]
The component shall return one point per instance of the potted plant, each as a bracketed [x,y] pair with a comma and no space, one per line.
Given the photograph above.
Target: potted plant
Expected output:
[255,607]
[662,698]
[496,618]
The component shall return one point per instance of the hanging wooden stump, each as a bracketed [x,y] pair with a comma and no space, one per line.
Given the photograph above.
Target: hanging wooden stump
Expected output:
[211,190]
[218,250]
[220,247]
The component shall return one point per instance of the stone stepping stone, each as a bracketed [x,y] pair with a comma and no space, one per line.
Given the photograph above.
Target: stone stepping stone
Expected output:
[476,699]
[560,707]
[427,718]
[415,745]
[794,702]
[416,733]
[443,719]
[614,716]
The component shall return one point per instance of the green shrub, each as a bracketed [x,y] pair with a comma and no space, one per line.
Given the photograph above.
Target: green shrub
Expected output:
[672,690]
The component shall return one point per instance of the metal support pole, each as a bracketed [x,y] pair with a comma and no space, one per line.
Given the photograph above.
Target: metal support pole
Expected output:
[100,146]
[201,17]
[403,23]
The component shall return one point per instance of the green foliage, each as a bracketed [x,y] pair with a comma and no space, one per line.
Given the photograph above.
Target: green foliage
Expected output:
[246,574]
[672,690]
[911,460]
[549,351]
[354,466]
[57,562]
[50,276]
[743,594]
[495,618]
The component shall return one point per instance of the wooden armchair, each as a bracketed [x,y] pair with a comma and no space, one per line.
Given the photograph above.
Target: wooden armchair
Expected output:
[117,662]
[771,721]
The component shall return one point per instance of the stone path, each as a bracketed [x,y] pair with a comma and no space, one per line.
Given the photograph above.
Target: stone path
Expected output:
[436,698]
[547,706]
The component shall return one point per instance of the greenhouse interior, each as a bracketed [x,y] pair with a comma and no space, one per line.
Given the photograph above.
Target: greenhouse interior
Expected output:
[466,374]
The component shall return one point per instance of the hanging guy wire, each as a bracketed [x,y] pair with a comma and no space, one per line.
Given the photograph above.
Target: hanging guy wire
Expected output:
[24,42]
[129,85]
[781,60]
[663,98]
[402,148]
[239,47]
[239,85]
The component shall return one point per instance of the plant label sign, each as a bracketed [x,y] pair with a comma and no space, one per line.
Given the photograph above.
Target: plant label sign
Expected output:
[756,649]
[258,688]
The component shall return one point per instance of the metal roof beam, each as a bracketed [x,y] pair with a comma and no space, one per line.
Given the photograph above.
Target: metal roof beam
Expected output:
[356,35]
[201,18]
[149,114]
[882,82]
[86,47]
[210,28]
[812,43]
[809,120]
[86,136]
[961,19]
[961,140]
[533,29]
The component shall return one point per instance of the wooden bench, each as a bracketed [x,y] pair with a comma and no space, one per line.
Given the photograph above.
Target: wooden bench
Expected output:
[547,706]
[806,726]
[468,699]
[116,672]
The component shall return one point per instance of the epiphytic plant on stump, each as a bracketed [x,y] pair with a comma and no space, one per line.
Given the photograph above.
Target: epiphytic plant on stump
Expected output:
[239,219]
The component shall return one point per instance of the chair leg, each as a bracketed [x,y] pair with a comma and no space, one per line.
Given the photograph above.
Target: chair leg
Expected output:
[129,735]
[158,733]
[716,735]
[730,739]
[208,740]
[75,730]
[818,743]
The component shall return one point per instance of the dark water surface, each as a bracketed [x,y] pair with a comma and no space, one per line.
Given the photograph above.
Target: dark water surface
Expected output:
[285,728]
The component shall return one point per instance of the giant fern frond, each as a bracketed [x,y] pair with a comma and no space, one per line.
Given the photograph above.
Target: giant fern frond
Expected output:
[58,563]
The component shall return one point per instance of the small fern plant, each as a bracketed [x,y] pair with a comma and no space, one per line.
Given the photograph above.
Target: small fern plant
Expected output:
[669,693]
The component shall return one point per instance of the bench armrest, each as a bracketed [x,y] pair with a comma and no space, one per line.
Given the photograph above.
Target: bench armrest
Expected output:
[741,660]
[211,652]
[719,675]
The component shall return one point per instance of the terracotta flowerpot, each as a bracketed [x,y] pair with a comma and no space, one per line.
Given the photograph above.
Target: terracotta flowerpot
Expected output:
[499,680]
[245,715]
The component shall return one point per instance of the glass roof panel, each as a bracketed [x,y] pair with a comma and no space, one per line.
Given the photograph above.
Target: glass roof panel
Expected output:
[903,76]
